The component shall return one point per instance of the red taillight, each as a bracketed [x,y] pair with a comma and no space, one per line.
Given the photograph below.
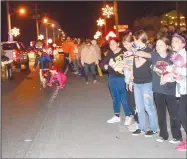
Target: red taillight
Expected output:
[15,53]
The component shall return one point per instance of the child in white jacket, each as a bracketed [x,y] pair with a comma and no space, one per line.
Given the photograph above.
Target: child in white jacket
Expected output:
[180,74]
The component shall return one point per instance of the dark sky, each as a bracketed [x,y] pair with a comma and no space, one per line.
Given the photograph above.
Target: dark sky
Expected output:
[78,19]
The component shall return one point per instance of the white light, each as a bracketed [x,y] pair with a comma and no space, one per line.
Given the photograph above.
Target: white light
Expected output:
[108,11]
[98,33]
[49,41]
[100,22]
[111,34]
[15,32]
[96,37]
[41,37]
[31,44]
[54,45]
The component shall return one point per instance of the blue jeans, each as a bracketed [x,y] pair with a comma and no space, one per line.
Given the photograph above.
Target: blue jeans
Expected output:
[75,64]
[118,92]
[90,67]
[144,102]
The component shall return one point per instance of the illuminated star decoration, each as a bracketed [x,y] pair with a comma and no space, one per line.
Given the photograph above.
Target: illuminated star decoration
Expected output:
[100,22]
[96,37]
[49,41]
[41,37]
[15,32]
[54,45]
[98,33]
[108,11]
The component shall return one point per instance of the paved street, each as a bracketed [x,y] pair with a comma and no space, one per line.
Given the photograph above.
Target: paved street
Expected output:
[68,123]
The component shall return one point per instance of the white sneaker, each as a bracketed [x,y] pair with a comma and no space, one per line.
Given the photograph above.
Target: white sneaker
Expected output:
[114,119]
[128,120]
[133,127]
[175,141]
[76,73]
[94,81]
[160,139]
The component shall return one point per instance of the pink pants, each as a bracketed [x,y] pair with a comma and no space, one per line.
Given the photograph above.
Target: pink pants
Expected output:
[62,78]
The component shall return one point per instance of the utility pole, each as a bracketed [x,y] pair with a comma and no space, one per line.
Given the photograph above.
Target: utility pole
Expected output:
[46,30]
[46,33]
[105,26]
[54,34]
[10,37]
[178,14]
[116,17]
[36,17]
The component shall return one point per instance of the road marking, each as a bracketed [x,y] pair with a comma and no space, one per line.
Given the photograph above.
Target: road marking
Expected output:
[28,140]
[54,95]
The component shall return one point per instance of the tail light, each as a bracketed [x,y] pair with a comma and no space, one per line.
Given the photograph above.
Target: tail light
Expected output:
[15,54]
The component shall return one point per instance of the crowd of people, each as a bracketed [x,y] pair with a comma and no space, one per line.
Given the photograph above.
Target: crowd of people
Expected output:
[142,76]
[153,77]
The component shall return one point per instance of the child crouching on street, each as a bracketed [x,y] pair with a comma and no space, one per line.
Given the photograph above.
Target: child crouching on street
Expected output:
[58,76]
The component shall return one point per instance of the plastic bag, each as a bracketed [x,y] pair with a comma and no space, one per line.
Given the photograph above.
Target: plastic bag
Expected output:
[99,71]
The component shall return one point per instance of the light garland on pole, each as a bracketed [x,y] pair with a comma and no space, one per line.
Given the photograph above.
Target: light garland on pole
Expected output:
[108,11]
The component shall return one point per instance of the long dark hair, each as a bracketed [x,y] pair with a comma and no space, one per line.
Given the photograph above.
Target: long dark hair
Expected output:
[167,41]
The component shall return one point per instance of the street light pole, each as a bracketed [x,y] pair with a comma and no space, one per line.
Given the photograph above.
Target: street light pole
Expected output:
[37,26]
[46,32]
[116,17]
[105,26]
[10,37]
[53,34]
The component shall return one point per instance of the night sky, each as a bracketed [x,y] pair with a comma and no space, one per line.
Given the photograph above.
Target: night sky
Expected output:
[78,19]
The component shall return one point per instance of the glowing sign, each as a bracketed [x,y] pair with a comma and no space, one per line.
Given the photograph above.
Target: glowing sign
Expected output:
[111,34]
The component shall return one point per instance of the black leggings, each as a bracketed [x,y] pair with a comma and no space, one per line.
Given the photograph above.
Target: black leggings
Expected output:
[66,65]
[162,102]
[131,103]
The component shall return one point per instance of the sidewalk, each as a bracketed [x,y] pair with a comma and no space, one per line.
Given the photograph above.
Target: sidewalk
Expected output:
[75,127]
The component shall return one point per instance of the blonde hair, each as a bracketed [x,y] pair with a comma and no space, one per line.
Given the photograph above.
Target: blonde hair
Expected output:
[128,38]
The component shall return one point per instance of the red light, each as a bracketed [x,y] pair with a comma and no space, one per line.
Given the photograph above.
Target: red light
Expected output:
[111,34]
[15,54]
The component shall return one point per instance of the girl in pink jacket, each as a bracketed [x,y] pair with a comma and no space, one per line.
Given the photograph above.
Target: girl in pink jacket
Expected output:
[57,75]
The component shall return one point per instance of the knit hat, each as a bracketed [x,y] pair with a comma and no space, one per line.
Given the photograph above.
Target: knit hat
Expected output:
[53,68]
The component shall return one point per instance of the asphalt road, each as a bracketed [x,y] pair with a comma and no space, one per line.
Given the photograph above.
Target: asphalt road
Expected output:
[68,123]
